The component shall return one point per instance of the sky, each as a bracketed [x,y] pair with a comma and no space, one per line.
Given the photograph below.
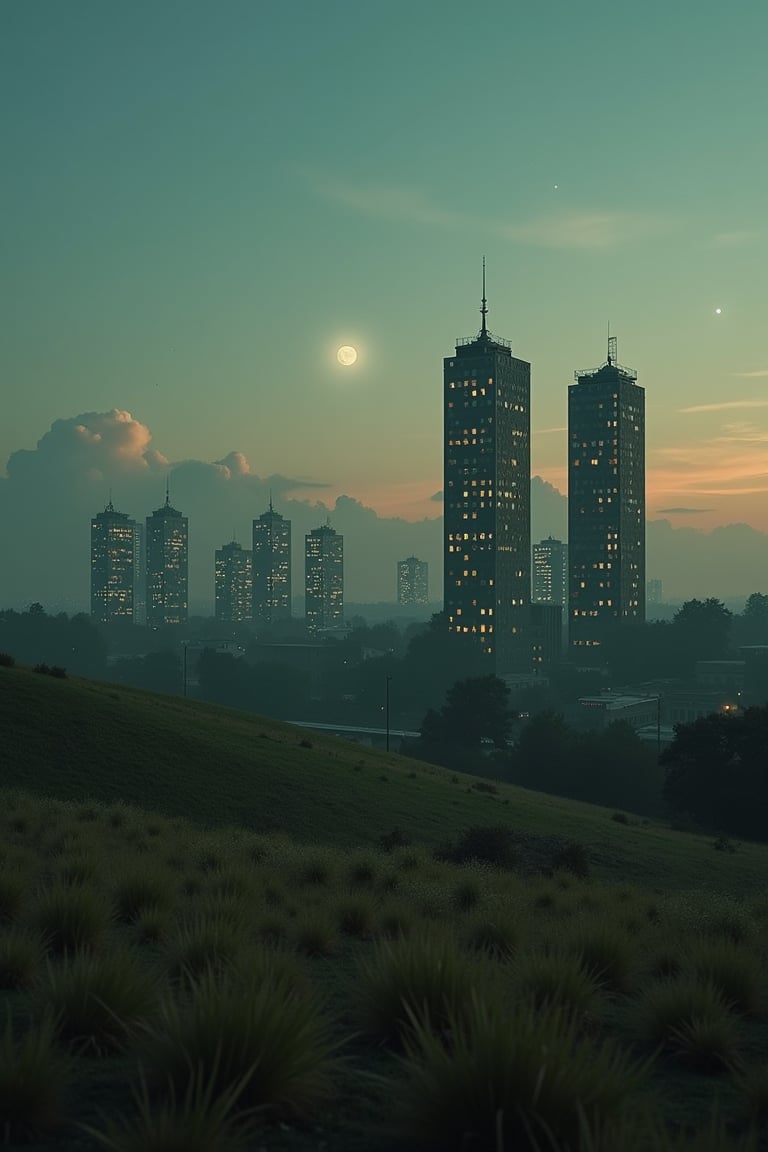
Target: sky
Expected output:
[201,202]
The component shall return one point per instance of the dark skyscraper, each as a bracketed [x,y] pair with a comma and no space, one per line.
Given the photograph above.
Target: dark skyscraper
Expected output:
[167,539]
[324,578]
[234,583]
[549,583]
[112,566]
[271,567]
[412,581]
[606,505]
[487,486]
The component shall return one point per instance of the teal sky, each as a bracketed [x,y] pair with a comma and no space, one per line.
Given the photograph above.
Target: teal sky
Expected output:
[201,201]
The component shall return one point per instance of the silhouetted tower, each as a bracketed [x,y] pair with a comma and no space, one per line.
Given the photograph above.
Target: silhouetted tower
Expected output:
[112,566]
[234,583]
[412,581]
[487,487]
[324,578]
[606,506]
[167,543]
[271,567]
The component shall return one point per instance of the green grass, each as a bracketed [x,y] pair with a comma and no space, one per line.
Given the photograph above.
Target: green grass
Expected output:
[81,740]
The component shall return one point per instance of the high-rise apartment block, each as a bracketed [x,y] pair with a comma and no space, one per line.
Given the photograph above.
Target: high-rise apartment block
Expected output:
[234,583]
[167,542]
[271,567]
[112,566]
[139,574]
[606,505]
[412,581]
[487,519]
[654,592]
[324,578]
[549,583]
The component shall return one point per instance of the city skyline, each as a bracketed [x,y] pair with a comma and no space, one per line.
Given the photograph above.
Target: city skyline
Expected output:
[179,227]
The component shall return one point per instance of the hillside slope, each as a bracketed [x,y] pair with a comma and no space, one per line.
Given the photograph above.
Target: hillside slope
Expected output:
[78,739]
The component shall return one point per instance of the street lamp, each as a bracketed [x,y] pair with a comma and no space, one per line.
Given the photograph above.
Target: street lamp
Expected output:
[387,710]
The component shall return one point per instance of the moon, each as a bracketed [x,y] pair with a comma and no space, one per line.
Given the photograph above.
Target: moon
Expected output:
[718,311]
[346,355]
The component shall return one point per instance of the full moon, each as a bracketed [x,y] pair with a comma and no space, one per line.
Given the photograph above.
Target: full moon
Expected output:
[346,355]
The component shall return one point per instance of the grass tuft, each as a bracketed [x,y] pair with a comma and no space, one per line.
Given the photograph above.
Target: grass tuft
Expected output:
[34,1078]
[21,954]
[70,919]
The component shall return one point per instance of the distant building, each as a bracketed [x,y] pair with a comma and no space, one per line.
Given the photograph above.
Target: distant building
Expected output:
[167,536]
[112,566]
[412,581]
[654,592]
[139,575]
[271,567]
[487,488]
[324,578]
[549,577]
[638,711]
[234,583]
[546,632]
[606,506]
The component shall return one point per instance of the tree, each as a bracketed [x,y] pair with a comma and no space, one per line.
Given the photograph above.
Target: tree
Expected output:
[752,624]
[717,771]
[701,631]
[476,709]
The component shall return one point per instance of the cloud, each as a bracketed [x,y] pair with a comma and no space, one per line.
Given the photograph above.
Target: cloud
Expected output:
[724,406]
[682,511]
[758,375]
[737,239]
[585,230]
[546,431]
[438,497]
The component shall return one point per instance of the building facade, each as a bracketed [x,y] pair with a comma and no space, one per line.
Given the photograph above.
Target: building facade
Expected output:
[112,566]
[412,581]
[234,583]
[324,578]
[271,562]
[606,506]
[167,544]
[549,576]
[487,516]
[139,574]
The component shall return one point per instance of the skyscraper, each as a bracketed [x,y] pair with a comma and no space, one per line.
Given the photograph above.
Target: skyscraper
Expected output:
[112,566]
[487,486]
[549,584]
[324,578]
[606,505]
[139,574]
[167,542]
[271,567]
[412,581]
[234,583]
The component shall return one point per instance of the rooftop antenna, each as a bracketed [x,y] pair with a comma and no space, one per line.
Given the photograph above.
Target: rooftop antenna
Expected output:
[168,490]
[483,307]
[110,506]
[613,348]
[270,501]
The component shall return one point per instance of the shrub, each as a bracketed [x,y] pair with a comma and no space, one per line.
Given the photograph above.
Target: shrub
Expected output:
[20,958]
[137,891]
[571,857]
[494,844]
[735,970]
[724,844]
[485,786]
[70,918]
[502,1078]
[6,660]
[555,979]
[59,672]
[97,1000]
[264,1036]
[426,977]
[305,743]
[34,1078]
[388,841]
[200,1120]
[620,818]
[42,669]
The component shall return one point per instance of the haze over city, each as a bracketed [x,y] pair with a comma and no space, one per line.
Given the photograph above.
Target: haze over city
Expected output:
[202,205]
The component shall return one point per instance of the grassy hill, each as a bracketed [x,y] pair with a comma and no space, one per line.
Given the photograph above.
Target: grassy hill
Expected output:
[76,739]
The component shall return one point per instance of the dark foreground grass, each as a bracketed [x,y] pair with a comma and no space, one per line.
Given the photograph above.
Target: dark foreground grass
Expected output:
[81,740]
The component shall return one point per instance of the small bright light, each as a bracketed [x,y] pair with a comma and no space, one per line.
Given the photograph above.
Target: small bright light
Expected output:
[718,311]
[346,355]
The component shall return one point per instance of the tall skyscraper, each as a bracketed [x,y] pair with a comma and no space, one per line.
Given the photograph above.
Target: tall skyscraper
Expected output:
[606,505]
[234,583]
[112,566]
[167,539]
[139,574]
[487,487]
[654,592]
[271,567]
[549,584]
[324,578]
[412,581]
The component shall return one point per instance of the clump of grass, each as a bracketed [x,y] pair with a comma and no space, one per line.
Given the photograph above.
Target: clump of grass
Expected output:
[666,1006]
[316,869]
[706,1043]
[572,857]
[555,979]
[492,844]
[80,868]
[13,888]
[201,942]
[499,935]
[396,920]
[362,873]
[502,1079]
[315,935]
[198,1120]
[70,919]
[265,1037]
[97,1000]
[466,895]
[272,929]
[151,924]
[34,1078]
[355,915]
[138,890]
[605,950]
[426,976]
[735,970]
[21,954]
